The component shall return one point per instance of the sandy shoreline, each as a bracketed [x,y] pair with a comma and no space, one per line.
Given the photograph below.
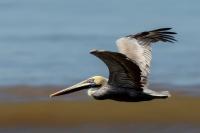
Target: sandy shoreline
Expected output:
[29,107]
[178,109]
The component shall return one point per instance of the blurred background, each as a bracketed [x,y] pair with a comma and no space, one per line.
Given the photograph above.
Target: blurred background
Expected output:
[45,44]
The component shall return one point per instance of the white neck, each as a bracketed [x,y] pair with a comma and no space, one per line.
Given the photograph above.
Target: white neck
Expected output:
[91,91]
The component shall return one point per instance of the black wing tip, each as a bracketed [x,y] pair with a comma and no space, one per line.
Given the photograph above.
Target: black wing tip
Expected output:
[161,34]
[166,34]
[164,30]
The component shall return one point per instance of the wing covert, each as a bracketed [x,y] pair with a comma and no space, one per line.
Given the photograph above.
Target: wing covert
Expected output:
[123,72]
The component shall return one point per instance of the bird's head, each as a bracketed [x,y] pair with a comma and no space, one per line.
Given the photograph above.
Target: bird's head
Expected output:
[92,84]
[99,81]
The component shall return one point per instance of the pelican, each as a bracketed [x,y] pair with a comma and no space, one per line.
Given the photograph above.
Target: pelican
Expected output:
[128,69]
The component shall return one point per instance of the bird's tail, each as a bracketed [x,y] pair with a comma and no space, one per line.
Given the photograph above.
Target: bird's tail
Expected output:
[166,93]
[162,94]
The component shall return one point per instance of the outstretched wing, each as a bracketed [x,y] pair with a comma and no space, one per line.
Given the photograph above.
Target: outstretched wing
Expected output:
[138,47]
[147,37]
[124,72]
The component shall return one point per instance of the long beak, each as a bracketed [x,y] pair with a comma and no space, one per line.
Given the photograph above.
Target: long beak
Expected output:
[80,86]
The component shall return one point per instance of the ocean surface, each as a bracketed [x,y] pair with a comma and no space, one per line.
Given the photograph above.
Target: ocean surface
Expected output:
[47,42]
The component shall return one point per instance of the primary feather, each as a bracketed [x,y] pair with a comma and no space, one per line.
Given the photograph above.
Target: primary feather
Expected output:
[138,48]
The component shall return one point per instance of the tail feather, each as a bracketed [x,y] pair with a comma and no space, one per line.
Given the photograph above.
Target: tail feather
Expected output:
[162,94]
[166,93]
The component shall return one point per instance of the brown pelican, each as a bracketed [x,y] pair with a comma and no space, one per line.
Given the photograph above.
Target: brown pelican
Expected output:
[128,70]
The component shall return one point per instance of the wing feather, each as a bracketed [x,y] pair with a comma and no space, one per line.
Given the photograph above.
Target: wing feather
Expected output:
[124,72]
[138,47]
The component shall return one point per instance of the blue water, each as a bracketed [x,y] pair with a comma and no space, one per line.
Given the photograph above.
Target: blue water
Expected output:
[48,41]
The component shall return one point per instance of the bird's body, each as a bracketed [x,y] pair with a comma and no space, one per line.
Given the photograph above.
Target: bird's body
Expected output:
[129,70]
[121,94]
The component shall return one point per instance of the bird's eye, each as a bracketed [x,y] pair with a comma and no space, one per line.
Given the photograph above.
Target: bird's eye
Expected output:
[90,81]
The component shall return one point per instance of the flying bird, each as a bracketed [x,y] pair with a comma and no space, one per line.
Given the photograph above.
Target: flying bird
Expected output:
[128,69]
